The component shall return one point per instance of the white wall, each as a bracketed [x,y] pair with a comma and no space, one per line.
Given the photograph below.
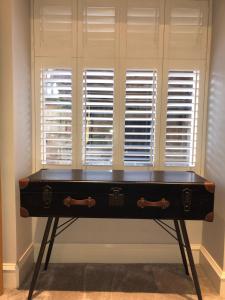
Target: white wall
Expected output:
[7,133]
[15,127]
[117,232]
[213,234]
[22,111]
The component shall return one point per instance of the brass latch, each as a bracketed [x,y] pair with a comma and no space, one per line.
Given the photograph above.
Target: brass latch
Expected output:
[116,198]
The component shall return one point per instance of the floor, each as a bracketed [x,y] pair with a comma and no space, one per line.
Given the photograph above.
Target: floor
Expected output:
[115,282]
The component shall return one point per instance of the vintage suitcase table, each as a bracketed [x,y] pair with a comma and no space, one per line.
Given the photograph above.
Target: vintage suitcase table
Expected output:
[157,195]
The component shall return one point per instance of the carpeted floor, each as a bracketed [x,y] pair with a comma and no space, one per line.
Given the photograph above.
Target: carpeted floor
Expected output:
[115,282]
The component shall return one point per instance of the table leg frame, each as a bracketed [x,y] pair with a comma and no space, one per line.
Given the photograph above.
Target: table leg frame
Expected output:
[181,246]
[191,260]
[40,257]
[50,246]
[182,237]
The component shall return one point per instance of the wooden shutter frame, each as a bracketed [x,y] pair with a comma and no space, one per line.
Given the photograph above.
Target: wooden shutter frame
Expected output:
[45,63]
[152,64]
[183,65]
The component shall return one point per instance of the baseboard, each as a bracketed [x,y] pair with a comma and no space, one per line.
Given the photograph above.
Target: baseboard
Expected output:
[117,253]
[15,273]
[9,275]
[213,270]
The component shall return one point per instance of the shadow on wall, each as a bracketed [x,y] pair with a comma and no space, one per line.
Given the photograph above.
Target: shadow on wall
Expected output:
[214,239]
[213,233]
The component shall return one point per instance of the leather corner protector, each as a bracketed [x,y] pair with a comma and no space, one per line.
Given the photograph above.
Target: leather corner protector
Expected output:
[209,217]
[23,183]
[24,212]
[210,186]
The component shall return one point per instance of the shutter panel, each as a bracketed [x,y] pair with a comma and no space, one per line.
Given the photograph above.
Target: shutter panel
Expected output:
[56,116]
[98,96]
[144,28]
[100,28]
[182,117]
[141,87]
[53,27]
[186,33]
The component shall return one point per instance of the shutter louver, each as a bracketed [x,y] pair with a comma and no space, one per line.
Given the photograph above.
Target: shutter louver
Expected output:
[98,96]
[143,28]
[187,30]
[54,26]
[182,117]
[141,87]
[100,28]
[56,116]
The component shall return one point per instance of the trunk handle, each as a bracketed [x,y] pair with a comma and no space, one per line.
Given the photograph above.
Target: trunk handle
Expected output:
[163,203]
[69,201]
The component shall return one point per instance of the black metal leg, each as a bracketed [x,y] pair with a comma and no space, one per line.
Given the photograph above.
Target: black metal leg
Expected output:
[182,251]
[51,243]
[40,256]
[191,261]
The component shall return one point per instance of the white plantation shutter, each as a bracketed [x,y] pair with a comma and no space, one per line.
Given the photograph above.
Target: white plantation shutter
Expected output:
[141,89]
[56,116]
[98,96]
[143,28]
[186,33]
[125,115]
[54,27]
[100,28]
[182,118]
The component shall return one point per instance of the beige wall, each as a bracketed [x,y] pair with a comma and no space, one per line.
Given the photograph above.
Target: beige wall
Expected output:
[15,121]
[22,110]
[117,232]
[6,133]
[213,234]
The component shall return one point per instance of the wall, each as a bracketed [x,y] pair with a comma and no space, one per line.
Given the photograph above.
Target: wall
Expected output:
[118,231]
[22,110]
[6,133]
[15,132]
[213,234]
[98,240]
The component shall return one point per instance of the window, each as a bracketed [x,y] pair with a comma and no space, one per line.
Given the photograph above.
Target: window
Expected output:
[56,116]
[141,95]
[120,84]
[98,96]
[182,112]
